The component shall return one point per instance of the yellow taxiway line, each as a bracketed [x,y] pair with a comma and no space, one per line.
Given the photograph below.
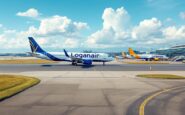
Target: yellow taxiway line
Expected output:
[149,98]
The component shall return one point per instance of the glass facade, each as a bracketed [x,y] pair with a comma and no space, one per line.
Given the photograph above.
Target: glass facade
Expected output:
[173,51]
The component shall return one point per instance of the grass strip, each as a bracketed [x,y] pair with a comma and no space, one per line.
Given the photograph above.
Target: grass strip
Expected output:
[13,84]
[161,76]
[26,61]
[148,62]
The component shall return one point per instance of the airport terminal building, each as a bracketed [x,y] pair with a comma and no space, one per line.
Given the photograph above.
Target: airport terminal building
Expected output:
[178,50]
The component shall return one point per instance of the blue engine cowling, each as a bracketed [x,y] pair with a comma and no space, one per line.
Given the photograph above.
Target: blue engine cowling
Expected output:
[87,61]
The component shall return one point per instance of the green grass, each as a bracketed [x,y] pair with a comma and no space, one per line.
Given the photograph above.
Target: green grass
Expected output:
[13,84]
[147,62]
[161,76]
[26,61]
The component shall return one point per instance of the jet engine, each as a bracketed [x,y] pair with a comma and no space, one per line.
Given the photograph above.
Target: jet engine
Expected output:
[87,61]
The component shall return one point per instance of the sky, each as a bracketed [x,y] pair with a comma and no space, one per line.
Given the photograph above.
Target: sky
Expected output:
[97,25]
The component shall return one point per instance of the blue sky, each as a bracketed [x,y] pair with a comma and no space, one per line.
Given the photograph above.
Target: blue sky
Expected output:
[92,24]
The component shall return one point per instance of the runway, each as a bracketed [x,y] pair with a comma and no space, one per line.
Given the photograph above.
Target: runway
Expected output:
[95,67]
[113,89]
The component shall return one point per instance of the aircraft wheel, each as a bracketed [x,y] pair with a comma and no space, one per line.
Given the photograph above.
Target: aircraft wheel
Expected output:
[73,63]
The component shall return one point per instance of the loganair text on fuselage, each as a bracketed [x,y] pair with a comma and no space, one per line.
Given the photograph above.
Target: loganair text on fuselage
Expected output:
[85,55]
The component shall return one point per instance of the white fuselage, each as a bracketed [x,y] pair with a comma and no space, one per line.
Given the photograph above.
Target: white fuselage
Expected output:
[149,56]
[93,56]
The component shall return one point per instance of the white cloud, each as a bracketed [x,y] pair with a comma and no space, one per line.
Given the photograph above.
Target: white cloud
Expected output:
[147,28]
[101,36]
[54,32]
[80,25]
[174,33]
[11,39]
[115,23]
[71,43]
[42,41]
[115,19]
[32,12]
[116,33]
[182,15]
[61,32]
[57,25]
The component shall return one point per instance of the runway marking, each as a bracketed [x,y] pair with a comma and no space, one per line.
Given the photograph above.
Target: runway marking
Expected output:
[90,77]
[149,98]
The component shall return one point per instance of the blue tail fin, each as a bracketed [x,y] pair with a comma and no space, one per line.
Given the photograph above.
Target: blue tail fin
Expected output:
[34,45]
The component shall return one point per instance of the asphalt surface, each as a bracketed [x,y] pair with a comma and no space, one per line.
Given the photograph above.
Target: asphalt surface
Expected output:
[91,93]
[171,102]
[112,89]
[95,67]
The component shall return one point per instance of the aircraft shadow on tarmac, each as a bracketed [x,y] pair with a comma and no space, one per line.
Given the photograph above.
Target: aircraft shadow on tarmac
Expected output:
[82,66]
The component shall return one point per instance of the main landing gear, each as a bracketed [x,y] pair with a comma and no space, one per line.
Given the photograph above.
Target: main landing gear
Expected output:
[103,63]
[74,63]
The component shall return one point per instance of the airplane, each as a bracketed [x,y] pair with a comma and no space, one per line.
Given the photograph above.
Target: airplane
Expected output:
[147,57]
[74,57]
[123,55]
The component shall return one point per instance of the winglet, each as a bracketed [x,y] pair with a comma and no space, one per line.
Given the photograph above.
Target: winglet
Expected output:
[66,54]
